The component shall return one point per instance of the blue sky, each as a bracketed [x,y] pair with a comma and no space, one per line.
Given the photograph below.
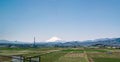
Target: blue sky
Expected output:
[68,19]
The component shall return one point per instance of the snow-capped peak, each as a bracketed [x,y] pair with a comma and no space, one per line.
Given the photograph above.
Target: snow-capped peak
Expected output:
[54,39]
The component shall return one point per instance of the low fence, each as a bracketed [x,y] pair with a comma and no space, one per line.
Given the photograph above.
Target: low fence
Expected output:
[19,58]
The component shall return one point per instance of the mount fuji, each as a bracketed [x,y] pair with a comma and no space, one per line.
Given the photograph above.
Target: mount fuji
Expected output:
[54,39]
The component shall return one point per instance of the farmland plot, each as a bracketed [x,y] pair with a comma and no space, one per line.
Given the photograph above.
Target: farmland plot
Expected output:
[105,56]
[67,55]
[52,57]
[72,57]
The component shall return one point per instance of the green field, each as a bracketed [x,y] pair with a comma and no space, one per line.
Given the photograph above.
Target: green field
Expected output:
[63,54]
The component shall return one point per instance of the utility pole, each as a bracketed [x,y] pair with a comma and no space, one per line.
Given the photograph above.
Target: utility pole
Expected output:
[34,42]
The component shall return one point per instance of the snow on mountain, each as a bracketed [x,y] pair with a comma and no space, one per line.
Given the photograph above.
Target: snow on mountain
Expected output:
[53,39]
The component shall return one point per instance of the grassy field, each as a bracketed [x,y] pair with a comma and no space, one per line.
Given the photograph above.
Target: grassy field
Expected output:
[63,54]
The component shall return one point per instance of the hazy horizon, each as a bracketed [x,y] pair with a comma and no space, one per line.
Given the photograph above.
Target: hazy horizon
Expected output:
[66,19]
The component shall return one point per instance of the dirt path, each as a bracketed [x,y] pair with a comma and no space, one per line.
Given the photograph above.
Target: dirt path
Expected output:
[86,57]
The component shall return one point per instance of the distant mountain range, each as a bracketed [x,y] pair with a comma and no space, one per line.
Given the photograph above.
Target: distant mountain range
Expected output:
[11,42]
[98,42]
